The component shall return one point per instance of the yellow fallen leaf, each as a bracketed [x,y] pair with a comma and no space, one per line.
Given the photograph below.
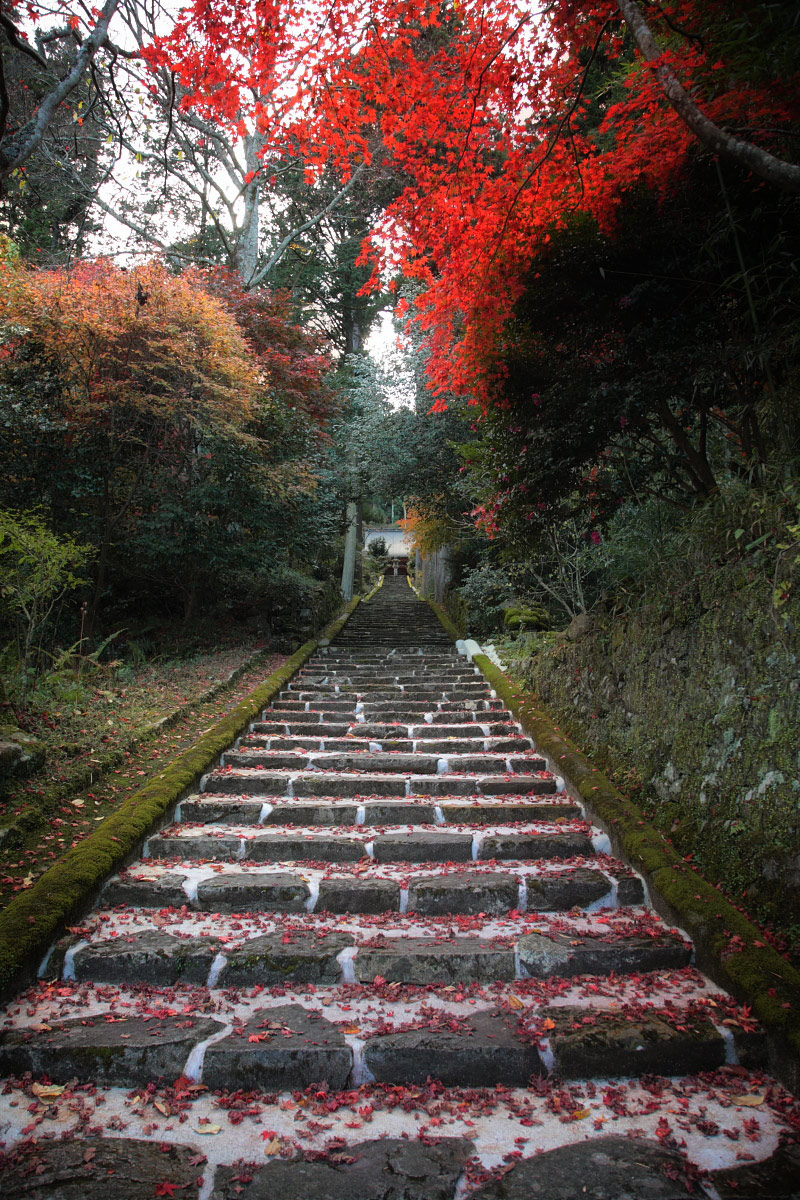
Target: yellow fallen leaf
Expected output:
[580,1114]
[162,1108]
[749,1101]
[204,1127]
[548,1023]
[46,1091]
[515,1002]
[351,1029]
[272,1146]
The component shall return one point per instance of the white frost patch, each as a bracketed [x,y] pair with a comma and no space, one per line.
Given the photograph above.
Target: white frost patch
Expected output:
[194,1063]
[375,748]
[217,967]
[522,901]
[313,881]
[68,971]
[601,843]
[607,901]
[361,814]
[547,1056]
[266,809]
[438,814]
[345,960]
[443,766]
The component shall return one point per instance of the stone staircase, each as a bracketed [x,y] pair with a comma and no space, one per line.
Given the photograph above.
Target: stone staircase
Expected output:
[380,905]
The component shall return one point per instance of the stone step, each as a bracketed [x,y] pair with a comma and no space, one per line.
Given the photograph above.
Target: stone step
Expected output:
[239,781]
[350,843]
[249,951]
[416,763]
[351,741]
[480,890]
[410,692]
[210,809]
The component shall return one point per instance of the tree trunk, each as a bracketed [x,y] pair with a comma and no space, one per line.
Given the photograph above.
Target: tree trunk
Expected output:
[246,262]
[348,569]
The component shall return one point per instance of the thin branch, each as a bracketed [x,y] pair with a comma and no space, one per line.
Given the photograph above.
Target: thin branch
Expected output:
[29,137]
[15,39]
[767,166]
[277,254]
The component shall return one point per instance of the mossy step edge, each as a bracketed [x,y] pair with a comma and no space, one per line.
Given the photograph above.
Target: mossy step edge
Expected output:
[36,917]
[728,947]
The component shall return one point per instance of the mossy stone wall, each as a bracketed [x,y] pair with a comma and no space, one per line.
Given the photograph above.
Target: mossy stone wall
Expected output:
[692,704]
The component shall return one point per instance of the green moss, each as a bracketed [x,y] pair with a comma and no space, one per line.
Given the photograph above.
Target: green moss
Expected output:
[35,917]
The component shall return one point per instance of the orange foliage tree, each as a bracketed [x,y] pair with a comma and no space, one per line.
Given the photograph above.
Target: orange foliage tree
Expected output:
[140,368]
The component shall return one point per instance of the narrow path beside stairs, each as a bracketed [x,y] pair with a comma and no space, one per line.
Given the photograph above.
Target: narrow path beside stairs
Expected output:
[382,955]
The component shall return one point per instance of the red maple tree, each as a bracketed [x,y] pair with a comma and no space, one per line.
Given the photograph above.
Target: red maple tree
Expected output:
[501,120]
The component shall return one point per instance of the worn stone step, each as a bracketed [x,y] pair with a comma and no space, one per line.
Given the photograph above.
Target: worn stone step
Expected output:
[416,763]
[385,889]
[385,1169]
[162,959]
[352,741]
[280,1049]
[86,1168]
[565,954]
[240,811]
[588,1044]
[257,782]
[482,1050]
[535,845]
[433,960]
[128,1051]
[348,843]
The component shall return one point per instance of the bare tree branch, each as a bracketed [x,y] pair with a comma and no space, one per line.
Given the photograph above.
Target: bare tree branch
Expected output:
[282,246]
[25,141]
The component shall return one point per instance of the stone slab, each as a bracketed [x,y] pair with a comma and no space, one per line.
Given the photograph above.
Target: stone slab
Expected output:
[200,846]
[578,888]
[346,895]
[778,1178]
[388,1169]
[268,959]
[325,783]
[483,1052]
[591,1044]
[564,956]
[165,891]
[312,814]
[467,892]
[148,957]
[253,893]
[536,845]
[287,848]
[94,1168]
[603,1168]
[121,1052]
[210,812]
[428,960]
[399,812]
[277,1049]
[508,814]
[423,847]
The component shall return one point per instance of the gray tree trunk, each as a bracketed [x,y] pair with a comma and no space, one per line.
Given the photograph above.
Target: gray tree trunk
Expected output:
[350,546]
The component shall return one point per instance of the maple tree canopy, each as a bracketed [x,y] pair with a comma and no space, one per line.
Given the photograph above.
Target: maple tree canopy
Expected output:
[485,113]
